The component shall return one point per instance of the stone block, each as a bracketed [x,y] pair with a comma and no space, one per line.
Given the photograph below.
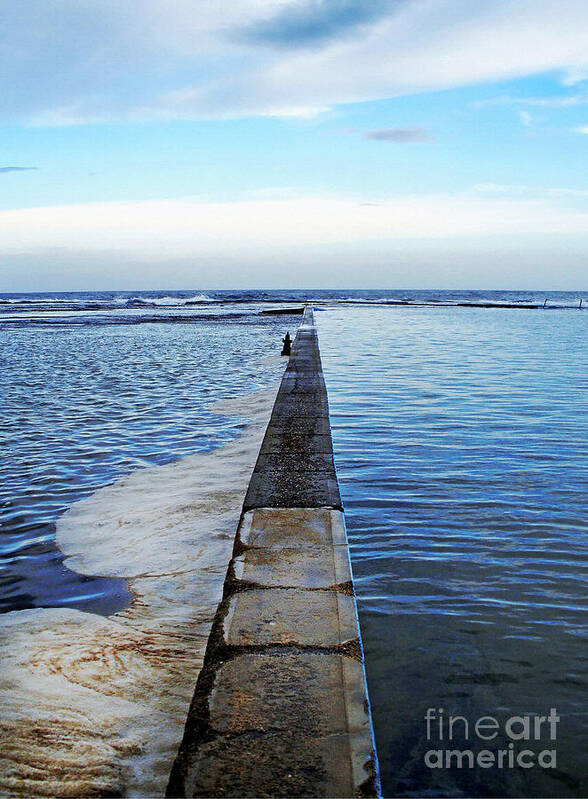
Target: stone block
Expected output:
[284,724]
[288,616]
[294,568]
[291,528]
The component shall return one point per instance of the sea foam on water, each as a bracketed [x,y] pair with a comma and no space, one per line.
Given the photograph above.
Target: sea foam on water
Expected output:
[95,705]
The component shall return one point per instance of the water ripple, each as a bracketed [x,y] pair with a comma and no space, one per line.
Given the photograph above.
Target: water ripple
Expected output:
[83,406]
[461,447]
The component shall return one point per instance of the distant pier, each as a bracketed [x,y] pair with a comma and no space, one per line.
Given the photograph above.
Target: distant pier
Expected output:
[280,706]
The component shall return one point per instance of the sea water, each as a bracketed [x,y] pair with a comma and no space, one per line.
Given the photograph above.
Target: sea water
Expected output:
[129,446]
[461,444]
[460,439]
[87,398]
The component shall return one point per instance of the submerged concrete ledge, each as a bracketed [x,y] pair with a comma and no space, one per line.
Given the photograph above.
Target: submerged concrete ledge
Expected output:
[280,706]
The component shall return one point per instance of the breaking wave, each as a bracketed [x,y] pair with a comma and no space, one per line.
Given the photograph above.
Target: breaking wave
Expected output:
[141,302]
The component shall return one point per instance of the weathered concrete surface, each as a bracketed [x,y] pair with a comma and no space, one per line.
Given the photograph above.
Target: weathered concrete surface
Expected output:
[280,707]
[293,547]
[292,527]
[285,723]
[290,616]
[286,475]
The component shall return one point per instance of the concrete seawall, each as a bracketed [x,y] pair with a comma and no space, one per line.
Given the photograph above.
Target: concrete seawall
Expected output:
[280,706]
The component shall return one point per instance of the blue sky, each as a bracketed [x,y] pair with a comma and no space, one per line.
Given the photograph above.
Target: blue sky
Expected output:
[406,143]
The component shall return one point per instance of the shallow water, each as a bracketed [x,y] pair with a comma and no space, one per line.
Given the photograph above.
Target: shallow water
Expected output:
[94,705]
[82,406]
[461,448]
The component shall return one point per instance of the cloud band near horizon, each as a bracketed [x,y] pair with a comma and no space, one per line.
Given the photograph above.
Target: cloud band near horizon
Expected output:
[182,228]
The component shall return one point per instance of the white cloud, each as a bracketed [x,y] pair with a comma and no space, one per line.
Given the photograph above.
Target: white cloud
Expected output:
[518,191]
[69,62]
[554,101]
[188,228]
[574,76]
[582,129]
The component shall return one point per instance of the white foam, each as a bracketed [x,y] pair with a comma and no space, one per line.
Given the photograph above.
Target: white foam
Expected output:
[167,300]
[95,705]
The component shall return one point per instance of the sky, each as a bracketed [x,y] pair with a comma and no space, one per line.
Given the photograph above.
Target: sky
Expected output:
[293,143]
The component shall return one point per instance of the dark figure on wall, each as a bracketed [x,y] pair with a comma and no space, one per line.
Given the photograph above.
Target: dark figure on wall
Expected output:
[287,344]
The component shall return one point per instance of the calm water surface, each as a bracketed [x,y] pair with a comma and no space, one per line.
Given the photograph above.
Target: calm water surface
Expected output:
[461,447]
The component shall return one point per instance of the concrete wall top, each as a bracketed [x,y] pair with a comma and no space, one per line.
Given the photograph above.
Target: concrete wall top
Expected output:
[295,467]
[280,706]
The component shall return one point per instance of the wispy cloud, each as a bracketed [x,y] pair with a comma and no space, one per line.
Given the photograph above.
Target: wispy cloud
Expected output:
[98,62]
[4,169]
[574,76]
[522,191]
[555,101]
[581,129]
[399,135]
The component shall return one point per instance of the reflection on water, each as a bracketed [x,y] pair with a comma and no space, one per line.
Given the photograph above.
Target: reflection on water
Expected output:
[460,439]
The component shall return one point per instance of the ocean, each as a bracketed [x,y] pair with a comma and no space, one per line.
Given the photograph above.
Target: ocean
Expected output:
[460,436]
